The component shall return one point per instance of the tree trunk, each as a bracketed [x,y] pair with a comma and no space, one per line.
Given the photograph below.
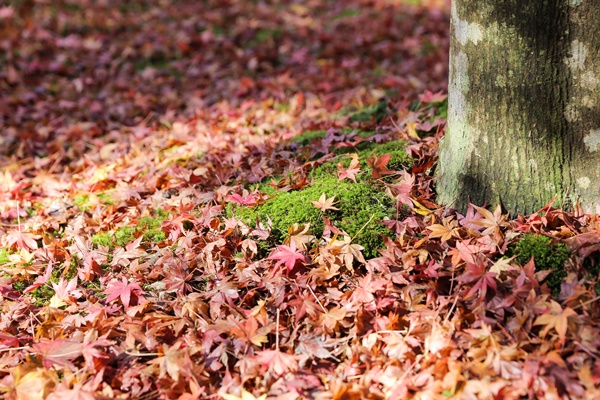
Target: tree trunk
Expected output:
[524,105]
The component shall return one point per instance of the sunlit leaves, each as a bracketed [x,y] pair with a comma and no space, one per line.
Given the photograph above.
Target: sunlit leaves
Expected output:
[287,255]
[351,171]
[218,306]
[325,203]
[128,293]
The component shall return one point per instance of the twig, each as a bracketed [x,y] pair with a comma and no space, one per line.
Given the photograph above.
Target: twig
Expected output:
[277,332]
[317,299]
[14,348]
[138,354]
[18,217]
[585,303]
[363,227]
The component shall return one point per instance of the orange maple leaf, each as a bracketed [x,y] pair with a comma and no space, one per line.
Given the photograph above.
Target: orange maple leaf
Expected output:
[556,318]
[325,203]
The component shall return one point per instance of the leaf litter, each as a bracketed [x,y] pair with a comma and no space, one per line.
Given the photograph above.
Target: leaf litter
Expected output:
[128,132]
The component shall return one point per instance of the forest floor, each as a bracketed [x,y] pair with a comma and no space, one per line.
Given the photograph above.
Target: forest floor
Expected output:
[234,199]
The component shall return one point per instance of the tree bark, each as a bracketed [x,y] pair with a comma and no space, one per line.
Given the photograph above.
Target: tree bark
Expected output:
[524,105]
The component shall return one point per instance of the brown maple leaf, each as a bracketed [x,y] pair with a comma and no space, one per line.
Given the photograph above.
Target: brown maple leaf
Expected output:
[557,318]
[379,165]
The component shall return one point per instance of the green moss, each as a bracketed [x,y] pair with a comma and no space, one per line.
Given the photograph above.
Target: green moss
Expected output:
[4,253]
[441,109]
[80,201]
[305,138]
[19,286]
[42,295]
[124,235]
[151,226]
[265,34]
[154,235]
[269,188]
[399,159]
[106,198]
[546,255]
[376,111]
[348,13]
[360,205]
[103,239]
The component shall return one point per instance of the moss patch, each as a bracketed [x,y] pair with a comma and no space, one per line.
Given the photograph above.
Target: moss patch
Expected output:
[4,253]
[360,205]
[377,112]
[546,255]
[399,159]
[42,295]
[149,227]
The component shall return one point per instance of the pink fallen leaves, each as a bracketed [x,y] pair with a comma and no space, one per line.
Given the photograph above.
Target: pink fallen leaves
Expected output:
[22,240]
[130,293]
[287,255]
[351,171]
[277,361]
[58,352]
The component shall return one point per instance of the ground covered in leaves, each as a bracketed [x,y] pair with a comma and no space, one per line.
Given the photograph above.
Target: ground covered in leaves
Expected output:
[233,199]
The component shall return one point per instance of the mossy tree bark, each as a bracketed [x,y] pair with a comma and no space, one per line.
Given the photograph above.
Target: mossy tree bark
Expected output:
[524,105]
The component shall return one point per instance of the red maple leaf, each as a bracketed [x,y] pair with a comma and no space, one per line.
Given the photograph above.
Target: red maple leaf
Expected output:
[483,279]
[130,293]
[287,255]
[378,165]
[245,199]
[41,279]
[351,171]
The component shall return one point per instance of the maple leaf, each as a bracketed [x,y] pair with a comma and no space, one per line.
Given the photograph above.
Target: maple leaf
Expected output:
[65,291]
[248,331]
[23,240]
[303,304]
[468,219]
[277,361]
[351,171]
[429,97]
[378,165]
[246,395]
[503,264]
[58,352]
[299,235]
[403,189]
[172,361]
[246,199]
[125,291]
[349,251]
[324,203]
[493,223]
[556,318]
[40,280]
[77,392]
[287,255]
[483,279]
[333,317]
[444,231]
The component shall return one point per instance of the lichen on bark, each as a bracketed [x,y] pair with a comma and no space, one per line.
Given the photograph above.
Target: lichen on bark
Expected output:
[523,113]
